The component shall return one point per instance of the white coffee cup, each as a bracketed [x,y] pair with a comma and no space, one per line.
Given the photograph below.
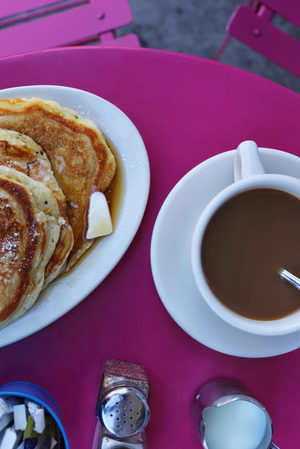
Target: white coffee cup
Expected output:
[248,174]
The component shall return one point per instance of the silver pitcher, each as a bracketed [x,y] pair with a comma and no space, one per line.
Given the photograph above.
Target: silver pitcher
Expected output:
[220,392]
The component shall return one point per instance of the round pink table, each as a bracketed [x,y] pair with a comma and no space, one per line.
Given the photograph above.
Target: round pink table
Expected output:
[186,109]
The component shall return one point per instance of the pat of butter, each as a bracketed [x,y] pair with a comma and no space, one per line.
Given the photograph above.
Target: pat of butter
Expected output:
[99,220]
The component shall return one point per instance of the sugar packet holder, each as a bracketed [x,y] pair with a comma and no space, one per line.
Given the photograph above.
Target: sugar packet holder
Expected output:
[25,425]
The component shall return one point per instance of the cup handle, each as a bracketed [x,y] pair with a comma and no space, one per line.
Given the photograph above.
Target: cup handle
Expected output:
[247,161]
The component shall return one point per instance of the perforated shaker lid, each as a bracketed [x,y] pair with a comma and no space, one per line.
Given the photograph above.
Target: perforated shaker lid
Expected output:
[124,411]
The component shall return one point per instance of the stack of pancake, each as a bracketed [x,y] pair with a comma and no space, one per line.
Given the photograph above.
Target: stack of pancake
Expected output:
[51,160]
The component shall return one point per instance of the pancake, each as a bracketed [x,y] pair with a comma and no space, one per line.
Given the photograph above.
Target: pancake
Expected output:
[30,227]
[23,154]
[80,158]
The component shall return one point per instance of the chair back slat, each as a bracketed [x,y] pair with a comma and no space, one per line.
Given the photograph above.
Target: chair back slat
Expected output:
[265,38]
[73,26]
[16,7]
[6,19]
[288,9]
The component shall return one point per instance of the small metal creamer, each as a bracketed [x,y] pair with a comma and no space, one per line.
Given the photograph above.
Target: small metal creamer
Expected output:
[122,407]
[219,392]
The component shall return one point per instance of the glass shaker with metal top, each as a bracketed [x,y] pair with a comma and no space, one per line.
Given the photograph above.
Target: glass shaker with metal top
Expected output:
[122,406]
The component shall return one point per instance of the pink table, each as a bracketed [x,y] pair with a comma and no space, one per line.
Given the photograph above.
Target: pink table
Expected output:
[186,109]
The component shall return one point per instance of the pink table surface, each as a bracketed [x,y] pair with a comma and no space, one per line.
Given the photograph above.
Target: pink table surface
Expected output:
[186,109]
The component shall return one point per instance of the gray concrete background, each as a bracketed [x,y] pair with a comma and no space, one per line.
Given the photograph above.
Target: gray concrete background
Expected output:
[197,27]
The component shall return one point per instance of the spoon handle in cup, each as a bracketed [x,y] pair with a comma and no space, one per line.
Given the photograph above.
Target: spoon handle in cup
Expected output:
[287,276]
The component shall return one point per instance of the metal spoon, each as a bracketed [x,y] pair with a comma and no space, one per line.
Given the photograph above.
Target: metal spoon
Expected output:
[287,276]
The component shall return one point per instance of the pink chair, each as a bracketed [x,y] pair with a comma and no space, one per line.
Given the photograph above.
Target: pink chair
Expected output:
[29,25]
[251,24]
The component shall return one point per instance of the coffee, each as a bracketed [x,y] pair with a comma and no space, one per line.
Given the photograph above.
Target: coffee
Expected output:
[246,240]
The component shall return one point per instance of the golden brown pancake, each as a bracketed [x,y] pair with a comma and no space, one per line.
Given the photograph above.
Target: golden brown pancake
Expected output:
[23,154]
[80,158]
[30,227]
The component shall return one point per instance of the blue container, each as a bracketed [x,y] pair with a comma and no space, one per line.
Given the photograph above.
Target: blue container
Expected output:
[40,396]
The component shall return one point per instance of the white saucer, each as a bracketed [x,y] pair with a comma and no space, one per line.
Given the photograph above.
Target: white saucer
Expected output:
[170,259]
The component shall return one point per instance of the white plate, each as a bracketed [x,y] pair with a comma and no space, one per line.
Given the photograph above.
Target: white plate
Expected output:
[61,296]
[170,258]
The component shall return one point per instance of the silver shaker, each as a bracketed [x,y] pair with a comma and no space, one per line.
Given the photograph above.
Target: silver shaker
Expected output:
[123,406]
